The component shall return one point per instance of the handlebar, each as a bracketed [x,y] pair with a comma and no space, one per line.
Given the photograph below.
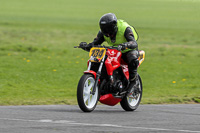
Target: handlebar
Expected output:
[107,47]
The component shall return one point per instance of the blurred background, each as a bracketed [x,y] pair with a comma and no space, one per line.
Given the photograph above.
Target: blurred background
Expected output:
[38,64]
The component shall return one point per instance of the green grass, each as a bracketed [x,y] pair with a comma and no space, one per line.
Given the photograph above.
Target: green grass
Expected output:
[38,64]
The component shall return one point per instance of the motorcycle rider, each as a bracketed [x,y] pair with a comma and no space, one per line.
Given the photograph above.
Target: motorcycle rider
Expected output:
[119,33]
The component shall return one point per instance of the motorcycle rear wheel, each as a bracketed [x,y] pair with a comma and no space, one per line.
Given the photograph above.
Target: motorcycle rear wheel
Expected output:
[131,104]
[86,101]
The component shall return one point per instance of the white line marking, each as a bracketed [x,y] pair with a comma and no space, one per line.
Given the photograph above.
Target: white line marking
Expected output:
[45,121]
[98,125]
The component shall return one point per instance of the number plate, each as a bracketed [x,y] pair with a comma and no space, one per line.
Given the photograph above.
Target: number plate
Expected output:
[97,53]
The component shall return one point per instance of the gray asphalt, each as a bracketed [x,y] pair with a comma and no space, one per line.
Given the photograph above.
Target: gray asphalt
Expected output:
[183,118]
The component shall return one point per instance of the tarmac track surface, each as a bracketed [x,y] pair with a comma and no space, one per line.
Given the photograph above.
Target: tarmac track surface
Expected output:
[181,118]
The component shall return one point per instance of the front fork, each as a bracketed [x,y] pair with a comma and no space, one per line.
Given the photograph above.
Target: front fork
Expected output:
[97,75]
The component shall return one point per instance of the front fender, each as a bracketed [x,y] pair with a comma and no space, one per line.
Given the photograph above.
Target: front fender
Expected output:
[91,72]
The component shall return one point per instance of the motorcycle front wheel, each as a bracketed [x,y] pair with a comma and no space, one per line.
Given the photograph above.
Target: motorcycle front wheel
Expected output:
[86,101]
[131,103]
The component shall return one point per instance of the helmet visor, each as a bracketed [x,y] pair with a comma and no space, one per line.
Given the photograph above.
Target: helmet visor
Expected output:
[108,29]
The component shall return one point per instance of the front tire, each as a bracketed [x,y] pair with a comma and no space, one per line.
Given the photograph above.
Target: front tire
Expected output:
[132,103]
[86,101]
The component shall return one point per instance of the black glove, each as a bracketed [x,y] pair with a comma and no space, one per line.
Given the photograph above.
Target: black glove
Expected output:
[82,44]
[86,46]
[122,46]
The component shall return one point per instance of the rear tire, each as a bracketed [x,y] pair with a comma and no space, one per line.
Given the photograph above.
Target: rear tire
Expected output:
[131,104]
[86,101]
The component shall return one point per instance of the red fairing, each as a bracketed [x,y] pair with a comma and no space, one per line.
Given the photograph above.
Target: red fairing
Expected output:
[113,60]
[108,99]
[124,66]
[91,72]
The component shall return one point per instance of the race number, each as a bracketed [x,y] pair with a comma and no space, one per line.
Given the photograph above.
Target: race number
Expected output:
[97,53]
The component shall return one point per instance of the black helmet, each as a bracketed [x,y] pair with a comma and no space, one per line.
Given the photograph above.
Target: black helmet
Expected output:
[108,24]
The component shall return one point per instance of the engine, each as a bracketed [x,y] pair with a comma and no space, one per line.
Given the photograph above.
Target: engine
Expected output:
[114,85]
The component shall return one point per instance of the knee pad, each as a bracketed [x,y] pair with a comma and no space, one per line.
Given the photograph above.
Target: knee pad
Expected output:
[134,64]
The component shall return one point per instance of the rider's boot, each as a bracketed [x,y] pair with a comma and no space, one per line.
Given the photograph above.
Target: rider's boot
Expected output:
[134,88]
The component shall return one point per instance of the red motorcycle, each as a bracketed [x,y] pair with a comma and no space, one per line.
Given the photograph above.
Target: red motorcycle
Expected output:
[107,80]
